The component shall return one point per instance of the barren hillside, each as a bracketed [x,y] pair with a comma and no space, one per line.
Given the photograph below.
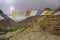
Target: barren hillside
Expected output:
[40,28]
[34,28]
[7,23]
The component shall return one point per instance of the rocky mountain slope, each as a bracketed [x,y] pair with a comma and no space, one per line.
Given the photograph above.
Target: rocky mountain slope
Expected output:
[38,28]
[7,23]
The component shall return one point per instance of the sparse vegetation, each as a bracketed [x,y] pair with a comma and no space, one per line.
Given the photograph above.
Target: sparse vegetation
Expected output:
[3,31]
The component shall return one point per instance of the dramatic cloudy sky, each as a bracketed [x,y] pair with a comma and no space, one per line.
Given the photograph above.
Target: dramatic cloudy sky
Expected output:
[21,5]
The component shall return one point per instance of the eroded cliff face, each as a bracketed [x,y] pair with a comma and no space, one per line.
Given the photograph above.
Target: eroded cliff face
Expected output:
[39,28]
